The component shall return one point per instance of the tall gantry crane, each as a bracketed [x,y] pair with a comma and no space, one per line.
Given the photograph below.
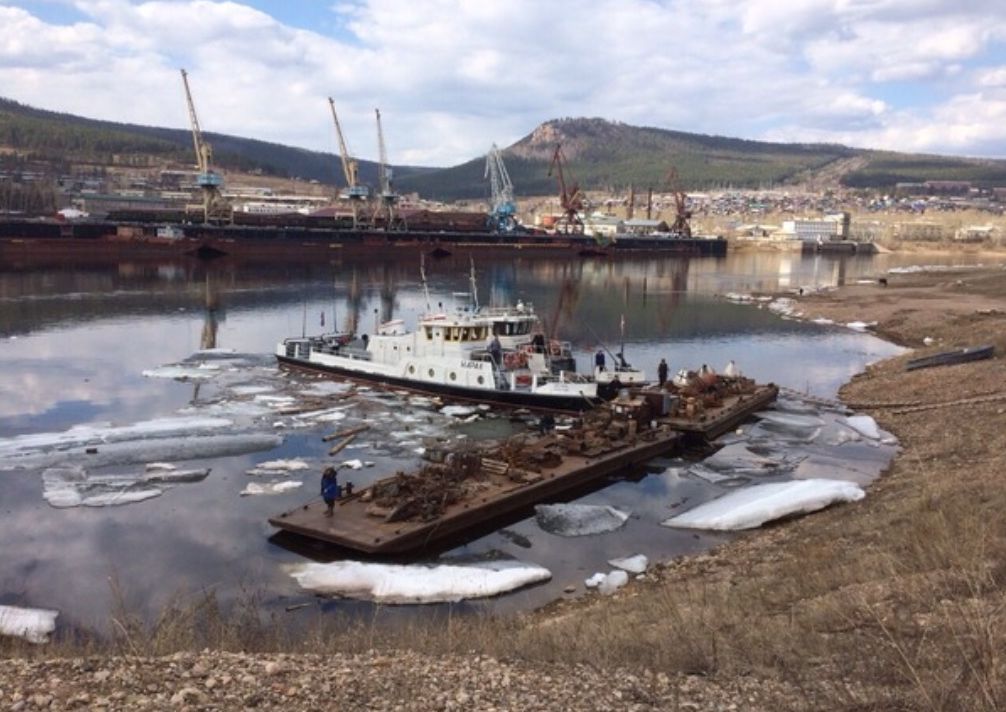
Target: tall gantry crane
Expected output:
[356,194]
[387,198]
[682,215]
[502,209]
[209,182]
[571,198]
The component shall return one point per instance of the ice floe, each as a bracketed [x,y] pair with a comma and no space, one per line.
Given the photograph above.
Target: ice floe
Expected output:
[753,506]
[129,452]
[181,373]
[32,624]
[279,487]
[633,564]
[458,411]
[864,425]
[578,519]
[74,486]
[417,583]
[607,583]
[860,325]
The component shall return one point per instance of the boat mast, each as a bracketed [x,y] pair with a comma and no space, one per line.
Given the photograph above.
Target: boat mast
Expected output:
[475,291]
[422,275]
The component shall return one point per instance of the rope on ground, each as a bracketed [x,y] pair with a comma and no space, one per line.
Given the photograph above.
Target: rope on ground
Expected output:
[912,406]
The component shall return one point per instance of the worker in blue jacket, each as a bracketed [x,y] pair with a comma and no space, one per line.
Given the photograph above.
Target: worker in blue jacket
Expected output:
[330,489]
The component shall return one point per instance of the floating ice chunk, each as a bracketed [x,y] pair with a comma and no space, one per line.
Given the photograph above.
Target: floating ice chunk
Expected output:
[633,564]
[214,352]
[864,425]
[422,402]
[353,464]
[823,321]
[139,450]
[327,388]
[254,488]
[179,373]
[790,421]
[32,624]
[753,506]
[612,582]
[291,465]
[736,297]
[417,583]
[158,466]
[860,325]
[578,519]
[251,390]
[331,416]
[65,487]
[737,457]
[458,411]
[174,476]
[595,580]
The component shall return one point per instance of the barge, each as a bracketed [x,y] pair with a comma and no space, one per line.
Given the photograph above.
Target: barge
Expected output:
[464,489]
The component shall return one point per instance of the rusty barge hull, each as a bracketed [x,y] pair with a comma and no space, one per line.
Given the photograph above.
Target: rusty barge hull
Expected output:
[352,527]
[33,239]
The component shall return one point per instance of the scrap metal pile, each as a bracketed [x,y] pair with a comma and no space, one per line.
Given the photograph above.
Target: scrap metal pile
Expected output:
[467,474]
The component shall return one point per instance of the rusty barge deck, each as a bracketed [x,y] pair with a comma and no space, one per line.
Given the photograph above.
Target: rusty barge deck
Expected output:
[407,512]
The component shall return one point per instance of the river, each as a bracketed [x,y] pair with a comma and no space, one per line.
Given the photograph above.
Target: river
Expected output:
[93,350]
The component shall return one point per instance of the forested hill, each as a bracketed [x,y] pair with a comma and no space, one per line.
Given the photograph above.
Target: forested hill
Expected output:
[60,138]
[609,155]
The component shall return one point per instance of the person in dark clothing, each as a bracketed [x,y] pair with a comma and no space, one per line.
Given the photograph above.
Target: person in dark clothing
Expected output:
[662,372]
[496,350]
[622,363]
[546,424]
[330,489]
[599,360]
[538,343]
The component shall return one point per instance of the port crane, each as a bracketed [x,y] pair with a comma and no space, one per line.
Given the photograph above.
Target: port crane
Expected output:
[209,182]
[682,215]
[502,209]
[356,194]
[571,198]
[387,198]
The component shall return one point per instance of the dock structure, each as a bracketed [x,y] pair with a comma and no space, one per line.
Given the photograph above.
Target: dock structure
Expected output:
[467,488]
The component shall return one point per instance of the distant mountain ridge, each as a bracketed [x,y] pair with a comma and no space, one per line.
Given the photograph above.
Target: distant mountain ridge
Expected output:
[609,155]
[601,155]
[55,136]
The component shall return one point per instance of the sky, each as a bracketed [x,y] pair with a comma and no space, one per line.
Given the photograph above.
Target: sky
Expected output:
[452,77]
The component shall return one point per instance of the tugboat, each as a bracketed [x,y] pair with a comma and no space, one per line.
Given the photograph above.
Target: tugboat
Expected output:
[492,355]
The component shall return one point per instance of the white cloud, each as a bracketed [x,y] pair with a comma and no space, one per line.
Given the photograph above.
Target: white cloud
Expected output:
[453,76]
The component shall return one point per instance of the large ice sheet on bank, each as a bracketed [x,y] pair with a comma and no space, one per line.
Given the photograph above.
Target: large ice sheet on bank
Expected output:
[74,486]
[417,583]
[578,519]
[753,506]
[32,624]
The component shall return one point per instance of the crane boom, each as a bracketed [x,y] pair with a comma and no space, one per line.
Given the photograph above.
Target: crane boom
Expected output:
[502,208]
[208,181]
[570,197]
[203,152]
[348,164]
[383,172]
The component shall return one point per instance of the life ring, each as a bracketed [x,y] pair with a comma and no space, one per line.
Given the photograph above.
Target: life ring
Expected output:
[514,359]
[523,379]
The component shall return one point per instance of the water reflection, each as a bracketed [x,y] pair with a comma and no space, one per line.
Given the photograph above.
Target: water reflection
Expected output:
[74,344]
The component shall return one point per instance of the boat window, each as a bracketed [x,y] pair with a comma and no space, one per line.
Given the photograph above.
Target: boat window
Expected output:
[412,369]
[464,333]
[429,333]
[454,334]
[454,376]
[481,380]
[430,372]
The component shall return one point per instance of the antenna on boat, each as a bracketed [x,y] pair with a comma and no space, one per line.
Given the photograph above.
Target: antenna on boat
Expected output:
[475,291]
[303,321]
[422,275]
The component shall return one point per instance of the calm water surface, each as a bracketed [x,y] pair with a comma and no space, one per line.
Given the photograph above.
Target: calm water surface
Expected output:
[75,344]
